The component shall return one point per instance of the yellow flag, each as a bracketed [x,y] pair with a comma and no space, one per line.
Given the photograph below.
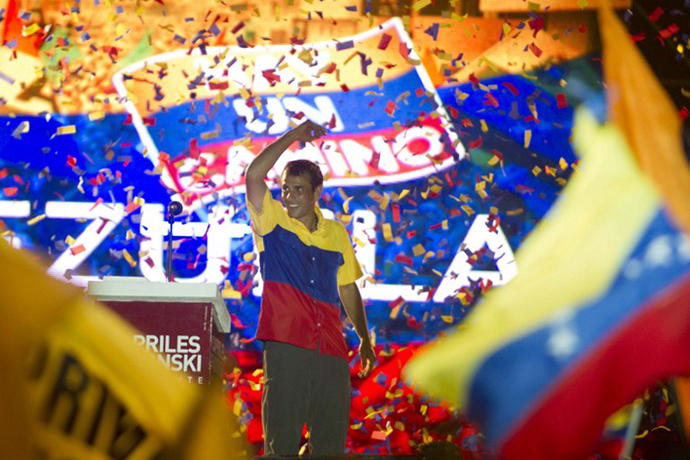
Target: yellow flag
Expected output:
[644,113]
[75,385]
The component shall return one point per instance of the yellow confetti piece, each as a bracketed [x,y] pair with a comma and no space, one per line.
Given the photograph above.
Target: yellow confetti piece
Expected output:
[506,28]
[358,242]
[93,116]
[69,240]
[418,250]
[230,293]
[384,202]
[533,6]
[69,129]
[403,194]
[374,195]
[346,205]
[248,256]
[237,407]
[387,232]
[345,219]
[244,93]
[128,257]
[395,311]
[528,138]
[536,170]
[563,164]
[582,4]
[485,128]
[130,235]
[30,30]
[419,4]
[35,220]
[447,319]
[398,425]
[469,211]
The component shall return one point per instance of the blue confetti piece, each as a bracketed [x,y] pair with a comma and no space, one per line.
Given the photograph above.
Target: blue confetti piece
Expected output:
[344,45]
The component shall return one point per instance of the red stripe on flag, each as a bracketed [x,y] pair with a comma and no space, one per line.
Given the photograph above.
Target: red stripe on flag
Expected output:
[652,345]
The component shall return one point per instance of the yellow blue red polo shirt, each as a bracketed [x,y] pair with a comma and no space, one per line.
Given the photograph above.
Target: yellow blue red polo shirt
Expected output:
[302,270]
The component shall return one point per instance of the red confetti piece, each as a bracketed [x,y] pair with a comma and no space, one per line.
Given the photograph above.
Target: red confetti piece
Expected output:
[396,213]
[149,121]
[638,37]
[131,206]
[404,52]
[561,101]
[435,226]
[511,87]
[77,249]
[407,260]
[375,158]
[149,262]
[344,88]
[490,100]
[218,85]
[411,233]
[454,112]
[98,201]
[163,157]
[390,108]
[535,49]
[385,40]
[669,31]
[237,28]
[271,76]
[71,161]
[656,14]
[684,113]
[194,149]
[10,191]
[397,302]
[475,143]
[236,322]
[378,435]
[125,145]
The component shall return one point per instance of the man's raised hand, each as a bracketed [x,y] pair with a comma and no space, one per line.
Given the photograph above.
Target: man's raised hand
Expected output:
[308,131]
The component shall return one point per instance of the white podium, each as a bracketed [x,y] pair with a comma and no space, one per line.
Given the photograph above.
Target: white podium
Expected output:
[182,322]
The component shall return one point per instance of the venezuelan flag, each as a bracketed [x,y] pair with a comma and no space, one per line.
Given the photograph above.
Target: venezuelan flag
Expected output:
[598,310]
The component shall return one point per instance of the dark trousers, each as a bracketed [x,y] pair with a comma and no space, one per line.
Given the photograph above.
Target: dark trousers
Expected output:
[304,386]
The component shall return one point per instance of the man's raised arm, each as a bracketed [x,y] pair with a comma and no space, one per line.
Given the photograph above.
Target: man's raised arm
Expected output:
[259,167]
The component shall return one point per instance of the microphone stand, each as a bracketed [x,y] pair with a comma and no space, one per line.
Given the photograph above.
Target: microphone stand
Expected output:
[174,208]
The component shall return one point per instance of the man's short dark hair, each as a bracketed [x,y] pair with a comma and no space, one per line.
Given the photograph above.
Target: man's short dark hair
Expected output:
[299,167]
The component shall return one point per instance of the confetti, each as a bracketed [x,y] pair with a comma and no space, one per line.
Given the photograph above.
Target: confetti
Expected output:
[384,41]
[68,129]
[35,220]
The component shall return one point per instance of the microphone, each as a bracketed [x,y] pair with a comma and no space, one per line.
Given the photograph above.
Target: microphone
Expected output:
[174,209]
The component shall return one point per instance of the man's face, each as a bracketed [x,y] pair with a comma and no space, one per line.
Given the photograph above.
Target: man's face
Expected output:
[298,196]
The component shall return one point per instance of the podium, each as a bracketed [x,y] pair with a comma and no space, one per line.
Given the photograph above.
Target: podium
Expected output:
[183,323]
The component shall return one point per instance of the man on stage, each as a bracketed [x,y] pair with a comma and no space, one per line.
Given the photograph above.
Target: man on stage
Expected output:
[308,267]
